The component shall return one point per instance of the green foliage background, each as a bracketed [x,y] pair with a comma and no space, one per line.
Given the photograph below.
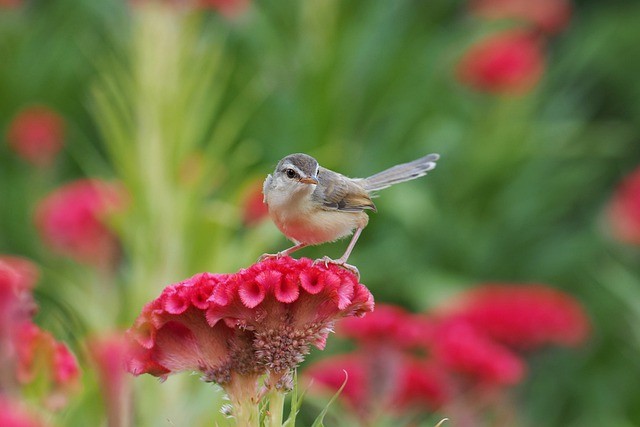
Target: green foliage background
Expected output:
[189,110]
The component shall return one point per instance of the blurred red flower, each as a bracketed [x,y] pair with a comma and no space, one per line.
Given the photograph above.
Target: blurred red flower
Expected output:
[228,8]
[48,362]
[10,3]
[36,134]
[254,210]
[377,386]
[17,277]
[29,355]
[26,273]
[510,62]
[108,353]
[233,328]
[462,348]
[71,220]
[390,372]
[388,324]
[522,317]
[624,210]
[15,414]
[550,16]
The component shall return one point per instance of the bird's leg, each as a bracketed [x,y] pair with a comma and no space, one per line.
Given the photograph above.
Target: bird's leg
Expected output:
[342,261]
[286,252]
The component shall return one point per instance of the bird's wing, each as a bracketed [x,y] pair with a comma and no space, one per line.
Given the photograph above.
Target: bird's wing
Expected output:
[337,192]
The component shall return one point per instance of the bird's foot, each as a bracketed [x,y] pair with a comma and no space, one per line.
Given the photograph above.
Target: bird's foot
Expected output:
[339,262]
[265,257]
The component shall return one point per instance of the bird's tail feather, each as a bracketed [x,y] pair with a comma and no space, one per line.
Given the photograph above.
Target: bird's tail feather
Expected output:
[401,173]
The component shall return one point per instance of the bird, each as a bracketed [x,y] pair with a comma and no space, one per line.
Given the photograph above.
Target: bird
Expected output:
[312,205]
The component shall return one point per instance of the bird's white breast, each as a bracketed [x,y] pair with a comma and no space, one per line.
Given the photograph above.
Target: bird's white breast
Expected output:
[302,220]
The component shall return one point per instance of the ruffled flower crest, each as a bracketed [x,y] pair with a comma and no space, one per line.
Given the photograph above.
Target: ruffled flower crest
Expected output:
[237,327]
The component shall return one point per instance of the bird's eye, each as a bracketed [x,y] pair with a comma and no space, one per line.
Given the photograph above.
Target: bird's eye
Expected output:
[291,173]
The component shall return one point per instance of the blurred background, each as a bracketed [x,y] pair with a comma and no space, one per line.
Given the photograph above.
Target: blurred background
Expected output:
[136,135]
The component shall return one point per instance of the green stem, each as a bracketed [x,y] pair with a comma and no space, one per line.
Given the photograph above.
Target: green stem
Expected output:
[247,413]
[243,393]
[276,408]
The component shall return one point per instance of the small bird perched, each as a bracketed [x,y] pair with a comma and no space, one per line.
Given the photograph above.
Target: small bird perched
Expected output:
[313,205]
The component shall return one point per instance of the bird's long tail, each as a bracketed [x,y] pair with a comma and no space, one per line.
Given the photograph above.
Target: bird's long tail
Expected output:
[401,173]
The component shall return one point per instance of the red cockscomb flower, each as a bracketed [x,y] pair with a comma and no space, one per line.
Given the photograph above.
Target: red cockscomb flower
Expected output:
[550,16]
[523,317]
[48,362]
[422,384]
[14,414]
[29,355]
[375,387]
[390,324]
[17,277]
[233,328]
[109,354]
[330,373]
[510,62]
[460,347]
[624,210]
[228,8]
[71,220]
[36,134]
[27,273]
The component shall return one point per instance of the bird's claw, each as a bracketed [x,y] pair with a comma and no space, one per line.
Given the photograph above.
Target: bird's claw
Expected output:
[265,257]
[340,263]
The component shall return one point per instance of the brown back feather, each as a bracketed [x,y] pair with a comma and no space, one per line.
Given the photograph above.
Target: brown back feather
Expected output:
[336,192]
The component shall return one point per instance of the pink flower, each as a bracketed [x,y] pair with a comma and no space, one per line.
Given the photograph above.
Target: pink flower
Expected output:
[389,372]
[388,324]
[36,134]
[14,414]
[624,210]
[550,16]
[377,386]
[50,364]
[422,384]
[228,8]
[233,328]
[510,62]
[10,4]
[330,373]
[523,317]
[29,355]
[71,221]
[462,348]
[109,353]
[26,272]
[17,277]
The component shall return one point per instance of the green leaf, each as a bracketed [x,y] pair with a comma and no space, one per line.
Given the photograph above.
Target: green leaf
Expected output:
[296,403]
[319,421]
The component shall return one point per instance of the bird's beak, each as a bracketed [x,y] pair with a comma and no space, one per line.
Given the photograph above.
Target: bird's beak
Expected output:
[309,180]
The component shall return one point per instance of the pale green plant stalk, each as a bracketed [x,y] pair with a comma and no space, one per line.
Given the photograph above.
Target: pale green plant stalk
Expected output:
[276,408]
[154,109]
[155,104]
